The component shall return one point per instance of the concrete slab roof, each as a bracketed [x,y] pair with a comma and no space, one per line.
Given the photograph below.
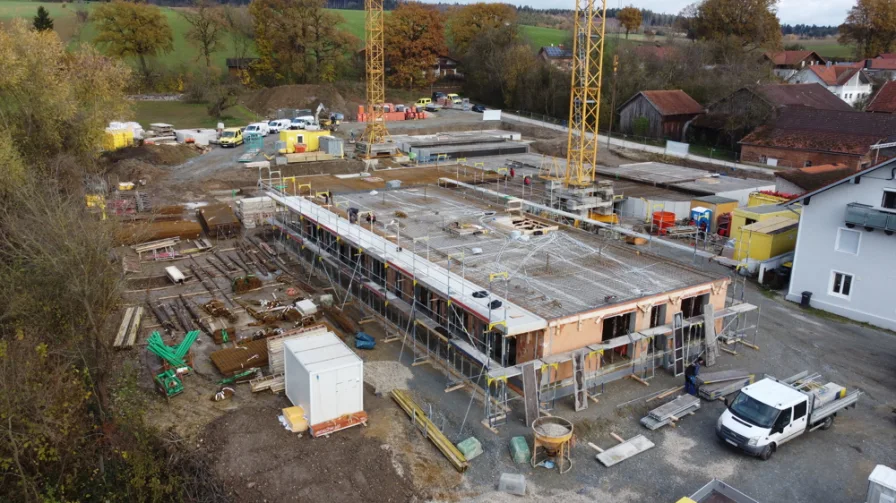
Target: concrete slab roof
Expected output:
[555,275]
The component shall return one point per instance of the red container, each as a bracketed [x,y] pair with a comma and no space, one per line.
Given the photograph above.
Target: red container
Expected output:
[301,147]
[663,220]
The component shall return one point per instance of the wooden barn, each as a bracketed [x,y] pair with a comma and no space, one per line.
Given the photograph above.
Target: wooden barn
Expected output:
[666,112]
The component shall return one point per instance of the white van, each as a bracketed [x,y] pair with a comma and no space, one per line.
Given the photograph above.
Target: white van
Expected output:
[275,126]
[257,128]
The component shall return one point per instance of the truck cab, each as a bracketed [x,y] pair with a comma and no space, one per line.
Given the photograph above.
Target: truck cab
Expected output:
[455,99]
[769,413]
[231,137]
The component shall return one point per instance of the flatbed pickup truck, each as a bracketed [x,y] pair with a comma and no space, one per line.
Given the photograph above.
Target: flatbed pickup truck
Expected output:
[770,412]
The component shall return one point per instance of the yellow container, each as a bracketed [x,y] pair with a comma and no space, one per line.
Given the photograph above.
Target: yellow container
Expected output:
[310,138]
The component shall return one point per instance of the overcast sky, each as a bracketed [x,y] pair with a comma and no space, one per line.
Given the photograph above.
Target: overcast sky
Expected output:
[820,12]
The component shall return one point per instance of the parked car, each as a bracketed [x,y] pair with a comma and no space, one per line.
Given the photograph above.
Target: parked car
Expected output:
[432,107]
[258,128]
[479,108]
[279,125]
[301,121]
[455,99]
[231,137]
[436,96]
[422,102]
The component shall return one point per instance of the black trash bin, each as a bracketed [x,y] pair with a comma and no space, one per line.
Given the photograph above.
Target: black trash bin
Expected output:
[807,296]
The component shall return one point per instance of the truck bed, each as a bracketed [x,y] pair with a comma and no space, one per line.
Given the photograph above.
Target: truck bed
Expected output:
[832,408]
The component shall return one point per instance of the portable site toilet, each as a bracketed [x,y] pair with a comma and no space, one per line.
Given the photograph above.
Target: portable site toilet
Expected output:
[881,485]
[718,205]
[702,217]
[326,378]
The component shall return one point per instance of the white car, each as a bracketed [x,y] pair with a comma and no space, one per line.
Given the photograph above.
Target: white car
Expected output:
[302,121]
[257,128]
[275,126]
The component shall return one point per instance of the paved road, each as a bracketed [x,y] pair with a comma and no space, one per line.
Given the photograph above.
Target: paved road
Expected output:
[824,466]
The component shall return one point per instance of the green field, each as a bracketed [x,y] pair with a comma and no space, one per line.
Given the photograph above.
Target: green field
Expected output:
[188,115]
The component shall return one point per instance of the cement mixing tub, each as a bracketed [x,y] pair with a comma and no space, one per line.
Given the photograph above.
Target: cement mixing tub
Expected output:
[552,436]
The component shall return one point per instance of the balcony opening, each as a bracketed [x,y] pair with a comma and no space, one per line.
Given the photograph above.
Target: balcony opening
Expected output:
[889,200]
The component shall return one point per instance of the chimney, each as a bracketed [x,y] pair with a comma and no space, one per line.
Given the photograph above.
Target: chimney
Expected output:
[867,64]
[829,63]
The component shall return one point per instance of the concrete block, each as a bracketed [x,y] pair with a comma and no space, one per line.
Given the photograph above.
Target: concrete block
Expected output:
[513,483]
[519,450]
[471,448]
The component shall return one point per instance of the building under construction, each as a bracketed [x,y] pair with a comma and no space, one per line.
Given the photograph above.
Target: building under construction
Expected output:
[518,306]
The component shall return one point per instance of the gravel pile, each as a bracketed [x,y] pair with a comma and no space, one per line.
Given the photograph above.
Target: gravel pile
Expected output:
[385,376]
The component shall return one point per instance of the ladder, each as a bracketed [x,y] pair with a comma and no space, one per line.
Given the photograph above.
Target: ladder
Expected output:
[678,344]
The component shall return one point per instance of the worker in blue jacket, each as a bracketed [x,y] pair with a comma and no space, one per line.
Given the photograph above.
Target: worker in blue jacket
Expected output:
[690,376]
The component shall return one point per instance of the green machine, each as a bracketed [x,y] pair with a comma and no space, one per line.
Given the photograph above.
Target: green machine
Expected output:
[169,383]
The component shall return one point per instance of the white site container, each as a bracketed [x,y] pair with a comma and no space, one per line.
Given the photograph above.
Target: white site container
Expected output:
[882,485]
[323,376]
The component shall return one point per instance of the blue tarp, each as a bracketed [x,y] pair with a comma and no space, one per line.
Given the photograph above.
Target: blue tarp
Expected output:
[364,341]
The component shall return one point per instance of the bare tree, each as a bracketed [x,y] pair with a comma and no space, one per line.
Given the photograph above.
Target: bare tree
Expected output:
[206,28]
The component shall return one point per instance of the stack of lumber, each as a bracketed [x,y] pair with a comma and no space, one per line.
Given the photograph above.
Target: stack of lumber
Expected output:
[717,385]
[429,430]
[230,361]
[127,331]
[219,219]
[670,412]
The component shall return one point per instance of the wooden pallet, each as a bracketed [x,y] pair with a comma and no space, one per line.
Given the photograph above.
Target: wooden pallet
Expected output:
[340,423]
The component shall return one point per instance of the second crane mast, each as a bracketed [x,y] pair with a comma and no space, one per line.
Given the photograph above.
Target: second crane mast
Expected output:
[376,131]
[584,103]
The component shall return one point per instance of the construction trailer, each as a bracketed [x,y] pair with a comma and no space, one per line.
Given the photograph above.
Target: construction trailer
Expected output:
[293,137]
[540,310]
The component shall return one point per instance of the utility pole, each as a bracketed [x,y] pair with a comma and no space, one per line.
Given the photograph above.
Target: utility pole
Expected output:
[613,99]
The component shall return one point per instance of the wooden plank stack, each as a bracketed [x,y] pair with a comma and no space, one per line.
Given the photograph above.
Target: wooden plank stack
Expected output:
[671,412]
[127,331]
[429,430]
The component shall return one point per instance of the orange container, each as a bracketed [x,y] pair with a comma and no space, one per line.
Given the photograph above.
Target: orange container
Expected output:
[301,147]
[663,220]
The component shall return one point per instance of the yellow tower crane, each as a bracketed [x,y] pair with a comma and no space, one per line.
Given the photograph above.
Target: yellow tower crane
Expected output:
[584,103]
[376,131]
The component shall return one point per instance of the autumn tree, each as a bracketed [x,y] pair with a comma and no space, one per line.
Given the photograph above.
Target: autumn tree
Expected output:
[239,26]
[54,102]
[43,21]
[749,23]
[414,39]
[468,22]
[206,28]
[871,26]
[133,29]
[298,41]
[630,19]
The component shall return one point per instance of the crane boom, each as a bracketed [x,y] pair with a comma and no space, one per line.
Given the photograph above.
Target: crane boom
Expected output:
[376,131]
[584,102]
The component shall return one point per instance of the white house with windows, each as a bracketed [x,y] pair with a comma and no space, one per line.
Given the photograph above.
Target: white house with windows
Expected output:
[850,84]
[845,255]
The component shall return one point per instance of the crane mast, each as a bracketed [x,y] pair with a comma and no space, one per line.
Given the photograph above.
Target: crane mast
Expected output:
[584,106]
[375,131]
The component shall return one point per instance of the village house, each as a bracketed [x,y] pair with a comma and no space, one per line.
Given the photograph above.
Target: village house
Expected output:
[558,56]
[789,63]
[884,102]
[731,118]
[844,249]
[803,137]
[851,85]
[666,112]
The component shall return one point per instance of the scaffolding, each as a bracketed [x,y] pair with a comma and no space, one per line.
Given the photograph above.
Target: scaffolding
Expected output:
[479,361]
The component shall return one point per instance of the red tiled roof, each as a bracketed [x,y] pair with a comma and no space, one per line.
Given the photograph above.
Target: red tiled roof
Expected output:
[887,55]
[885,99]
[675,102]
[879,64]
[790,58]
[801,95]
[836,131]
[816,177]
[834,75]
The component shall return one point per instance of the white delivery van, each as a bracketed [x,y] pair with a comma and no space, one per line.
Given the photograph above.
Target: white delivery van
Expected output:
[257,128]
[277,125]
[770,412]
